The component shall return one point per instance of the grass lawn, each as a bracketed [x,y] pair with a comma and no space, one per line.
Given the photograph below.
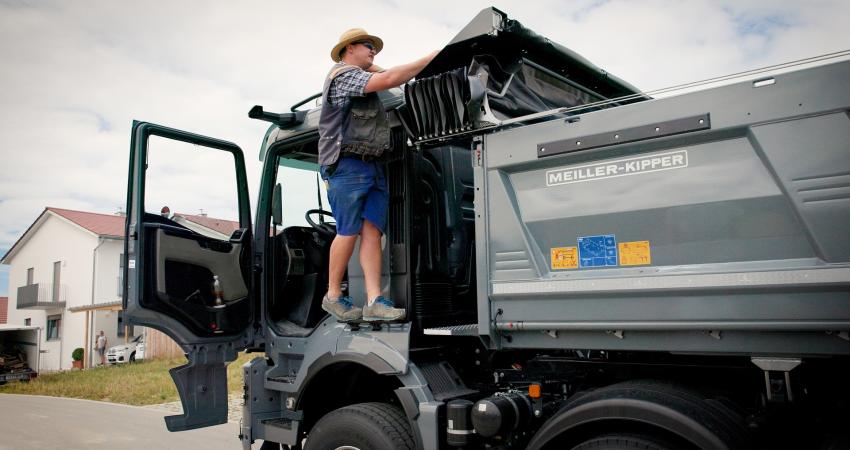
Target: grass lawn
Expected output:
[140,383]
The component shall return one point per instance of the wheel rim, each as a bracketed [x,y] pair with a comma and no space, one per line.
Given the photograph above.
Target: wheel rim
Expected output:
[347,447]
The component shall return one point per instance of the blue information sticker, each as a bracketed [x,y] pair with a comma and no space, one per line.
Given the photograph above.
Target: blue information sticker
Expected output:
[597,251]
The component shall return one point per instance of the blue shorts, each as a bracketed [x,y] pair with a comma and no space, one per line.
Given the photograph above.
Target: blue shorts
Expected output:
[357,190]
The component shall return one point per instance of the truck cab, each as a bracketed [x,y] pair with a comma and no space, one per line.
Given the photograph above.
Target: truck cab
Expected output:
[582,264]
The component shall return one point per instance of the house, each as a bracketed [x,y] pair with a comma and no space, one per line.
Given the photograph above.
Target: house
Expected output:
[66,276]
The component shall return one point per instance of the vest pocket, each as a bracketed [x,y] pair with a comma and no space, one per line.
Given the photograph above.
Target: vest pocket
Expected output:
[363,124]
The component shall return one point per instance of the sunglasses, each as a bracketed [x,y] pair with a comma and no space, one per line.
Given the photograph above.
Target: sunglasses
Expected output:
[366,44]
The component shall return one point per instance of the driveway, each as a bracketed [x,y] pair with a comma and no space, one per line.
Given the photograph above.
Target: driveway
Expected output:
[35,422]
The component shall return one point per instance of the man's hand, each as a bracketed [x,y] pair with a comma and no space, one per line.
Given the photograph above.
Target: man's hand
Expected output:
[398,75]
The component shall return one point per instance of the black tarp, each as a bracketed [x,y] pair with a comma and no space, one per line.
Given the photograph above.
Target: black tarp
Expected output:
[521,72]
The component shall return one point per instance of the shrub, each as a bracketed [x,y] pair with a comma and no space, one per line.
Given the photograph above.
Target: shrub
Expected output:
[77,354]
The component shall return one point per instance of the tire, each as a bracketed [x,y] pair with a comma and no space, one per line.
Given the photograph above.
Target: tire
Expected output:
[618,441]
[364,426]
[132,357]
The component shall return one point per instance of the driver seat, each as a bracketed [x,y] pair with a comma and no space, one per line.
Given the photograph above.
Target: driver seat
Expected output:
[306,275]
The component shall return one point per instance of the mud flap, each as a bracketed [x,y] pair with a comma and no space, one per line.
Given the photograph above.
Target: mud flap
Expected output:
[202,386]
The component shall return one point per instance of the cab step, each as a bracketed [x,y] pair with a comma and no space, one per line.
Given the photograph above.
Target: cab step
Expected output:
[453,330]
[280,429]
[376,325]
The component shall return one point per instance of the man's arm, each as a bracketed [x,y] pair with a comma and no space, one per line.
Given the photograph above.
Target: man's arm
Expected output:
[398,75]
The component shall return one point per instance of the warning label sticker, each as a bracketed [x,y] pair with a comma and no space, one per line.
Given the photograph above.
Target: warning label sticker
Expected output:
[564,258]
[597,251]
[635,253]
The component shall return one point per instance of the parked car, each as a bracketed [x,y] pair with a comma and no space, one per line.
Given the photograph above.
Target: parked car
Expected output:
[129,352]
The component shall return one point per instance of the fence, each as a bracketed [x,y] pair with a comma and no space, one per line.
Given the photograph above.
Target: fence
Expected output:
[159,346]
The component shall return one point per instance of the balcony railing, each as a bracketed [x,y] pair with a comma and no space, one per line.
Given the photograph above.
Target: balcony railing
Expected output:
[42,296]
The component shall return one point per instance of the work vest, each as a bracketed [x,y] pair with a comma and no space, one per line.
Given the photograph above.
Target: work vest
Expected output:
[360,127]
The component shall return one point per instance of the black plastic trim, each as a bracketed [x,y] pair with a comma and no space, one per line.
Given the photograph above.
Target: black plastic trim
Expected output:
[626,135]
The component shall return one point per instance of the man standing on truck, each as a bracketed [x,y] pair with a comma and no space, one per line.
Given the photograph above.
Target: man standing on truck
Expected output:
[354,134]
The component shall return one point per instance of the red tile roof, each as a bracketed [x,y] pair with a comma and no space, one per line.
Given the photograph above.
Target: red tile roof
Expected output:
[100,224]
[225,227]
[4,309]
[111,225]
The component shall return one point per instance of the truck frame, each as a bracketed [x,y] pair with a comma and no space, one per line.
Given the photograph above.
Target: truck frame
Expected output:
[584,266]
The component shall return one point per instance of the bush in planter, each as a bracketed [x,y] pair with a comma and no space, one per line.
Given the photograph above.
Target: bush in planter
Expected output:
[77,356]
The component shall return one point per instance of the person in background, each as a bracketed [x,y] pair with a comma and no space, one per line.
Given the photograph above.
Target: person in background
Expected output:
[100,346]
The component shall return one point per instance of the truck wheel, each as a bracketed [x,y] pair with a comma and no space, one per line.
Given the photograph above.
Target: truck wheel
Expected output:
[617,441]
[364,426]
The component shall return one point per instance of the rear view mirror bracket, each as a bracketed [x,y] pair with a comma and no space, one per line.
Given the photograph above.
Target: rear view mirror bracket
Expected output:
[282,120]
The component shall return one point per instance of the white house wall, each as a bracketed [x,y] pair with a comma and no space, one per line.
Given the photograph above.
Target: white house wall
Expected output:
[108,255]
[55,240]
[106,291]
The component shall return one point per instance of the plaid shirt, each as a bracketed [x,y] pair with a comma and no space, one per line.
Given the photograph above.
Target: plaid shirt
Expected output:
[349,84]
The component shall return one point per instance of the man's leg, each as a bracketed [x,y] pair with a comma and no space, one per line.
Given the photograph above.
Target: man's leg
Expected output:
[341,249]
[370,259]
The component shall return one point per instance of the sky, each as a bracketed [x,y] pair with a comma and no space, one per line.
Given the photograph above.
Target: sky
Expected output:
[74,75]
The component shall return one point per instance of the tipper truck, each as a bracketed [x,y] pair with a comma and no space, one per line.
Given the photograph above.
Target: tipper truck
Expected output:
[584,265]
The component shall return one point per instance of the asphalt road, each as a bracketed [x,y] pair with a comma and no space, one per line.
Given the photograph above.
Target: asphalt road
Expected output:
[34,422]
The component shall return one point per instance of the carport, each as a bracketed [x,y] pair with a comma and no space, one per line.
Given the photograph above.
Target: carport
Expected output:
[90,312]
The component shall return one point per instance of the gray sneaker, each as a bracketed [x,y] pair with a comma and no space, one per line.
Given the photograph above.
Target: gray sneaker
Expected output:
[342,308]
[382,309]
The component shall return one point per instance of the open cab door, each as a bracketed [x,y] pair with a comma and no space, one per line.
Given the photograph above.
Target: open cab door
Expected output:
[188,275]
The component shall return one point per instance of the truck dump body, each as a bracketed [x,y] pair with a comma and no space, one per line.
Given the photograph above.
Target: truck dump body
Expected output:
[720,225]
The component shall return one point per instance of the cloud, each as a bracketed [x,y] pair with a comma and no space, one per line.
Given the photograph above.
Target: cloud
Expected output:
[76,76]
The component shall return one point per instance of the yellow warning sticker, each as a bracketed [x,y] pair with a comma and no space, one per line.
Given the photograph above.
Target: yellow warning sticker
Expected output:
[564,258]
[635,253]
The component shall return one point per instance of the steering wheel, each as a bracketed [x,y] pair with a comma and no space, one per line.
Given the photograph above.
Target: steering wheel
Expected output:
[326,228]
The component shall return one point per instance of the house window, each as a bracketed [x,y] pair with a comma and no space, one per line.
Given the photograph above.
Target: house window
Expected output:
[30,273]
[54,326]
[121,323]
[57,279]
[27,322]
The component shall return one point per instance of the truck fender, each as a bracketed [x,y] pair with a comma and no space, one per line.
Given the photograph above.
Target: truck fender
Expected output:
[413,394]
[370,360]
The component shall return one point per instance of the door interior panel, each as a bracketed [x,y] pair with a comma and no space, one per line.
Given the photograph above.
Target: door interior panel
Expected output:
[182,266]
[175,250]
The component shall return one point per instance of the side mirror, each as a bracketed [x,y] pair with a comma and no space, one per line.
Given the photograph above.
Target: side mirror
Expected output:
[277,205]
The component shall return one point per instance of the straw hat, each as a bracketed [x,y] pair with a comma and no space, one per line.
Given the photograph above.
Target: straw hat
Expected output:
[354,35]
